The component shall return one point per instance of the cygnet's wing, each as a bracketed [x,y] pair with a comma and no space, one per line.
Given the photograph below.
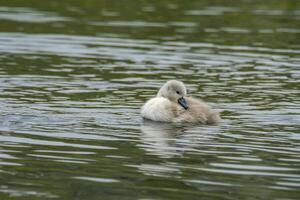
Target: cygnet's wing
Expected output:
[202,111]
[159,109]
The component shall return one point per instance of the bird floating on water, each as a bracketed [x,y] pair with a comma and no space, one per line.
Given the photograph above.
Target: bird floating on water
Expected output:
[172,105]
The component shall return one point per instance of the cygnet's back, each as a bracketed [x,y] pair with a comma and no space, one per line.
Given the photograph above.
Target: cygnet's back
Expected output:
[172,105]
[198,112]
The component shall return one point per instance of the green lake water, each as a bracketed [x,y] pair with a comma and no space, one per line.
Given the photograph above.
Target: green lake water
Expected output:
[74,74]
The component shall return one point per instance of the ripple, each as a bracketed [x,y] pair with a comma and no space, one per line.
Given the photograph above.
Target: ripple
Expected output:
[249,167]
[10,163]
[99,180]
[48,143]
[208,182]
[24,193]
[23,14]
[212,10]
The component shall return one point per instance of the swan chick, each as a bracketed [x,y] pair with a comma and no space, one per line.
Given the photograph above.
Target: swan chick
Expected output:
[172,104]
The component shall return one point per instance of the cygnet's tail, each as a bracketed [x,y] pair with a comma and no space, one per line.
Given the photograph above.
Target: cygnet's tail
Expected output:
[213,117]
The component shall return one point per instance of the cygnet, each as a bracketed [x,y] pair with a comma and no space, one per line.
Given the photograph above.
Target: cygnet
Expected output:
[172,104]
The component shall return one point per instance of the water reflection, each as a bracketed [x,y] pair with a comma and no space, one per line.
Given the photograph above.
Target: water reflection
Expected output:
[167,140]
[161,138]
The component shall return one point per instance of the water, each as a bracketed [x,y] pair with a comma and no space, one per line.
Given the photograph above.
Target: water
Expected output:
[74,75]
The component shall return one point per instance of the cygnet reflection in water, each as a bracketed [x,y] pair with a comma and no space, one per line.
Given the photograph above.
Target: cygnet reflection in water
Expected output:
[167,139]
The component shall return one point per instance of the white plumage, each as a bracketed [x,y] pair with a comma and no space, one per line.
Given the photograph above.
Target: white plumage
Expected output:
[172,105]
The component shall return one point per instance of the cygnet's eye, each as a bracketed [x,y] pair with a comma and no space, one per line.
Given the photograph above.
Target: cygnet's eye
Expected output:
[177,92]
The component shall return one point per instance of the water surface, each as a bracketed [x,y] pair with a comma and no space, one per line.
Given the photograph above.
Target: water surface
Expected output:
[74,74]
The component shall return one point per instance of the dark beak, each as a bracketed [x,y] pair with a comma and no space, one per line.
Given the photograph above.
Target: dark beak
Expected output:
[183,103]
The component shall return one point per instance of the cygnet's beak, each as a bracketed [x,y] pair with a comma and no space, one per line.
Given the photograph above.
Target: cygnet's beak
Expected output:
[183,103]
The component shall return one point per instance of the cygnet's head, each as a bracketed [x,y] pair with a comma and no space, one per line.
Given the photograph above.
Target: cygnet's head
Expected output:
[174,91]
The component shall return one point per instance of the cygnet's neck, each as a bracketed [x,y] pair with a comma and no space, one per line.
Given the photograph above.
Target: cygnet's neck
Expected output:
[162,91]
[160,94]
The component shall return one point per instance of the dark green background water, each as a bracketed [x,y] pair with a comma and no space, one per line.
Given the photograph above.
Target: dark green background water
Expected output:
[74,74]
